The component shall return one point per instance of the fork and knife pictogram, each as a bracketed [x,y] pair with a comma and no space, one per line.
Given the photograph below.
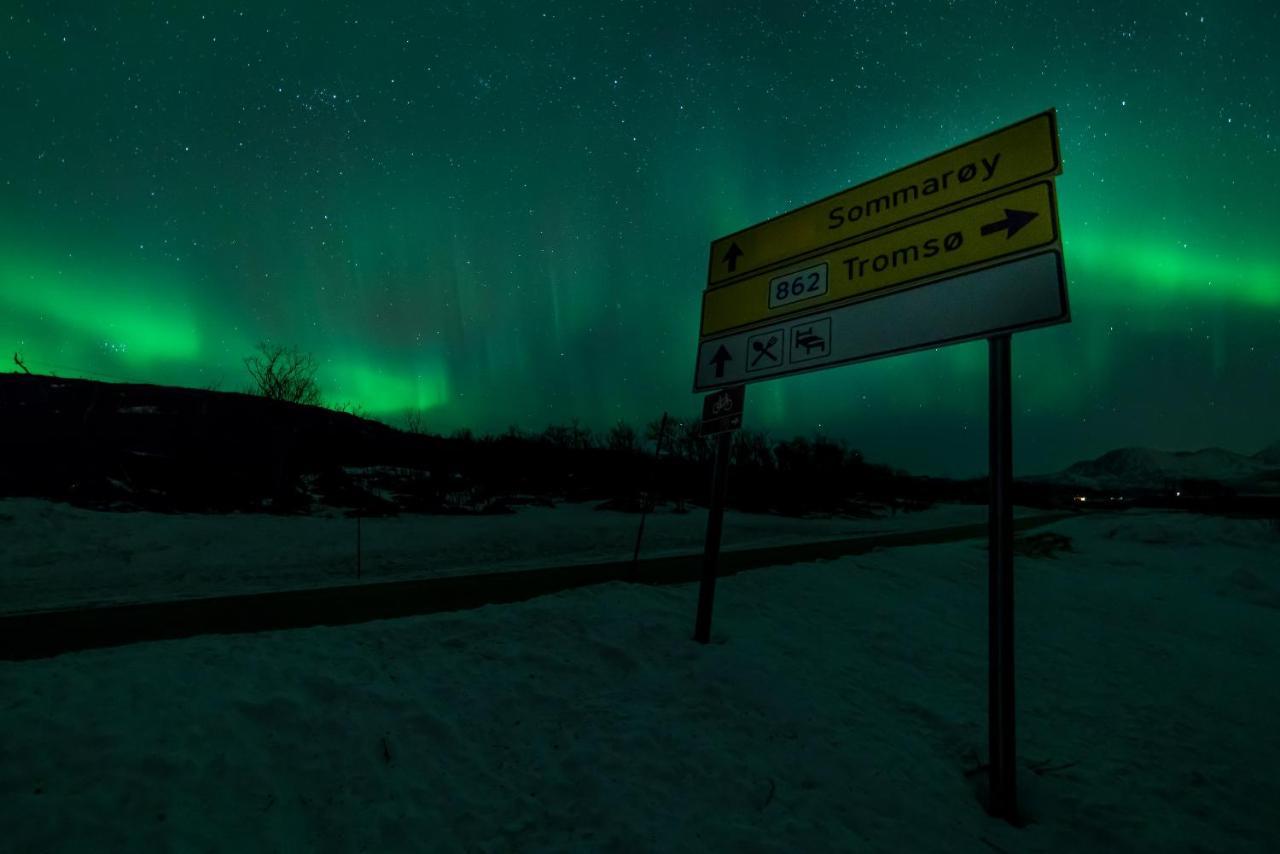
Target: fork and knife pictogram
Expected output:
[763,349]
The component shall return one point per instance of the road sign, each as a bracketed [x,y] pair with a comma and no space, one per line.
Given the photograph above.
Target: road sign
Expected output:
[959,240]
[764,349]
[960,246]
[1024,293]
[1004,158]
[722,411]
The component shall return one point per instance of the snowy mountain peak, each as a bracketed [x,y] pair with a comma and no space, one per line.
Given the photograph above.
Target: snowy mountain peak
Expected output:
[1270,454]
[1147,468]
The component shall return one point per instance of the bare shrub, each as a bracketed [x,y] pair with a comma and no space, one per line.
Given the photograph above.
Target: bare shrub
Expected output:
[283,373]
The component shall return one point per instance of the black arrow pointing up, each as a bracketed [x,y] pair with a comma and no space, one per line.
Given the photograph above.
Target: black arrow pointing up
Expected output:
[721,356]
[731,257]
[1012,223]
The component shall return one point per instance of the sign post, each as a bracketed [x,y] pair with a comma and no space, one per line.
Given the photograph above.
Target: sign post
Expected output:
[711,553]
[960,246]
[647,499]
[1003,771]
[721,415]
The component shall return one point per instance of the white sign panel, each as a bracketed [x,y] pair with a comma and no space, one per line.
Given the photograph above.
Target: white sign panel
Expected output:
[1021,294]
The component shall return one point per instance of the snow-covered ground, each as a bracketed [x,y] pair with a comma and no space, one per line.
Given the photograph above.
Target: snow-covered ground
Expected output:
[55,555]
[838,709]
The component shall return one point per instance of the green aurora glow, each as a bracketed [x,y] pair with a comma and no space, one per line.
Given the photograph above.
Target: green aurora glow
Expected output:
[499,214]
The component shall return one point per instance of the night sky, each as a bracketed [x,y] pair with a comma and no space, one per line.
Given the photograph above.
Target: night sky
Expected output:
[499,213]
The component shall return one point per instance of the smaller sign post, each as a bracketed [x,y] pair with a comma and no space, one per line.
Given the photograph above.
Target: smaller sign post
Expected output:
[647,500]
[721,415]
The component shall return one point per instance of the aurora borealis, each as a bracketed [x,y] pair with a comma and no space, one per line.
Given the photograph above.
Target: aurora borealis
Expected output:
[499,213]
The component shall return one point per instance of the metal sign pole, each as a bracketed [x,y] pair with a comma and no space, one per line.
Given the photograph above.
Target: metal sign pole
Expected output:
[711,556]
[1004,796]
[648,498]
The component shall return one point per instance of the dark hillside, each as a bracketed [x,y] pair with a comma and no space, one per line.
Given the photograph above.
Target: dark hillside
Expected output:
[136,446]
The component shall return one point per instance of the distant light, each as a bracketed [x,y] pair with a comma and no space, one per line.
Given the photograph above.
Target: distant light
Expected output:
[1178,494]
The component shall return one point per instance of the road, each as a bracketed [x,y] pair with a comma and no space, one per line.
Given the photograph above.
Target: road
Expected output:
[47,633]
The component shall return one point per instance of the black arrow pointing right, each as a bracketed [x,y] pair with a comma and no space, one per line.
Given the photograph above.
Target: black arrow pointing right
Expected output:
[731,257]
[721,356]
[1012,223]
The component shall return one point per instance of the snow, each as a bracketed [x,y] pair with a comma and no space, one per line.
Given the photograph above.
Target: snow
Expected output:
[54,555]
[838,708]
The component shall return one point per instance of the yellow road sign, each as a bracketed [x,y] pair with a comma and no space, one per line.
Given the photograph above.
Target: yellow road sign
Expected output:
[1001,159]
[949,244]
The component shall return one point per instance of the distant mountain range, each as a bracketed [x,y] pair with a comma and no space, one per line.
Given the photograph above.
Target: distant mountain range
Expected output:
[1151,470]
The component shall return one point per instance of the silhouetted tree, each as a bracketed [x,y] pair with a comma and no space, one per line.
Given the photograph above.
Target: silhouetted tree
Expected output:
[827,455]
[283,373]
[350,408]
[581,436]
[622,438]
[687,441]
[793,457]
[414,422]
[751,450]
[572,436]
[653,430]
